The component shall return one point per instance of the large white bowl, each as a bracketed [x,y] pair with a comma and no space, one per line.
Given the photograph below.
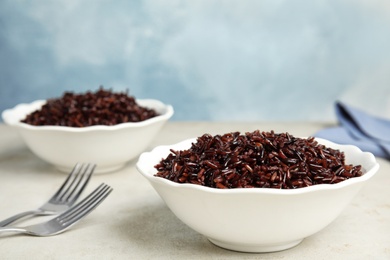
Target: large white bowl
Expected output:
[110,147]
[257,219]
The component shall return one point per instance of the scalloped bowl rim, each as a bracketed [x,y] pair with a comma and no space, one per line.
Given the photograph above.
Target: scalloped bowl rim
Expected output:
[144,167]
[12,116]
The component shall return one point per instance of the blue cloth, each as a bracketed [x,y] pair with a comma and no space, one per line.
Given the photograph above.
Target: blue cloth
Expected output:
[368,132]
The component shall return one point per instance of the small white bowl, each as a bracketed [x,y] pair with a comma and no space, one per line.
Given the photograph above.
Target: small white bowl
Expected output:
[257,219]
[110,147]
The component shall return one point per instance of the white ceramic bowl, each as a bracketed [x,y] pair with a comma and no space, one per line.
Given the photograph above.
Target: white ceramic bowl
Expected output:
[257,219]
[110,147]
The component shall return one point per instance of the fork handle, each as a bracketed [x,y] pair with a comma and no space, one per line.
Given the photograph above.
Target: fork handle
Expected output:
[12,229]
[19,216]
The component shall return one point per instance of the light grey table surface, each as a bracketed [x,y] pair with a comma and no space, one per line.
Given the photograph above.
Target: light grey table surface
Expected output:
[134,223]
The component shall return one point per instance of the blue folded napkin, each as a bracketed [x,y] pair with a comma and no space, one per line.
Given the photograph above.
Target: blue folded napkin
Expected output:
[368,132]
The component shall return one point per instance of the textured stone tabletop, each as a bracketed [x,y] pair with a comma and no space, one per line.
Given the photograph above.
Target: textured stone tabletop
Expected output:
[134,223]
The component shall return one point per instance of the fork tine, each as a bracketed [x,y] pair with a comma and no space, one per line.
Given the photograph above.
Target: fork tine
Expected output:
[71,186]
[68,182]
[74,185]
[81,184]
[84,207]
[87,208]
[84,201]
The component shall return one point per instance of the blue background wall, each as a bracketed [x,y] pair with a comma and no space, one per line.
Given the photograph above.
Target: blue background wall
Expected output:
[212,60]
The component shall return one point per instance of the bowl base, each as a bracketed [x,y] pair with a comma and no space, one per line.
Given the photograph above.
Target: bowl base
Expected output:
[98,169]
[255,248]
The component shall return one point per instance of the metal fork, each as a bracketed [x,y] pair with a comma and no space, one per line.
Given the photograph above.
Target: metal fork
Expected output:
[64,198]
[67,219]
